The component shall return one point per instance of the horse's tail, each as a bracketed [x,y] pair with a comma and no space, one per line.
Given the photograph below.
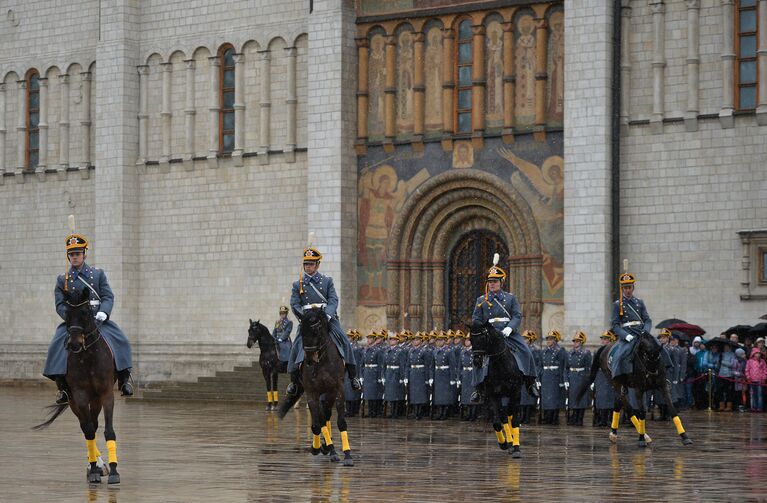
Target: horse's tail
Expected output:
[288,403]
[595,364]
[56,411]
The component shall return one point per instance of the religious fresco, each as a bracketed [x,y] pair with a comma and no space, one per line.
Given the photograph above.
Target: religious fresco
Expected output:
[376,82]
[555,86]
[524,60]
[494,73]
[404,106]
[433,79]
[386,180]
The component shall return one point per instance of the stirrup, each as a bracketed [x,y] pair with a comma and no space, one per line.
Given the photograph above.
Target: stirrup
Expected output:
[356,384]
[476,397]
[291,390]
[126,389]
[62,397]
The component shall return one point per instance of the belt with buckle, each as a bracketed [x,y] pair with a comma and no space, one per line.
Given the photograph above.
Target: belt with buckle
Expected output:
[314,306]
[550,367]
[371,365]
[395,367]
[468,368]
[632,324]
[417,366]
[442,367]
[577,369]
[498,320]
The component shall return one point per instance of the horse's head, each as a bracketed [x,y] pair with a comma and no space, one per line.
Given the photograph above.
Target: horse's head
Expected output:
[253,332]
[483,338]
[648,351]
[314,330]
[79,319]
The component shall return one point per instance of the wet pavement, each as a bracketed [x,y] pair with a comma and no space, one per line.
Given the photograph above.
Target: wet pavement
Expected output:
[214,452]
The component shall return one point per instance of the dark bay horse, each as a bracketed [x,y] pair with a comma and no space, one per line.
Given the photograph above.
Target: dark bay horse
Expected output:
[504,380]
[268,360]
[91,378]
[322,379]
[648,373]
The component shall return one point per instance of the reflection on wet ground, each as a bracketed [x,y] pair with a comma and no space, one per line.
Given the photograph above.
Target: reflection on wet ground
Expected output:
[190,452]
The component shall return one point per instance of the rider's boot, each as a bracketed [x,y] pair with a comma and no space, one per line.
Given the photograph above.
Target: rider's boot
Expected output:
[62,397]
[124,382]
[292,389]
[353,379]
[531,386]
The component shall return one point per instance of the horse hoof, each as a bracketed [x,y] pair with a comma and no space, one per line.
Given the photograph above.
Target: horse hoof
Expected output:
[686,440]
[348,461]
[315,451]
[516,453]
[94,478]
[503,446]
[325,450]
[642,443]
[334,458]
[102,466]
[613,438]
[114,478]
[647,438]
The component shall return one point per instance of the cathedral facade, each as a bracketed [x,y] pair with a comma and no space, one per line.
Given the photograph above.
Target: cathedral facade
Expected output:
[198,143]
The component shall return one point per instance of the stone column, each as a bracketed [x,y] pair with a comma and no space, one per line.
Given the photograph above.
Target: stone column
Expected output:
[3,130]
[332,205]
[239,109]
[588,178]
[189,111]
[117,195]
[541,41]
[726,114]
[42,125]
[415,308]
[363,48]
[291,103]
[165,113]
[658,9]
[419,90]
[64,122]
[478,80]
[761,54]
[508,82]
[265,104]
[85,121]
[438,295]
[625,63]
[448,87]
[214,108]
[21,128]
[693,65]
[143,114]
[390,91]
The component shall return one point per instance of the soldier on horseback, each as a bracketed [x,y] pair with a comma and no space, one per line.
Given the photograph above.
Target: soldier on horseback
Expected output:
[502,310]
[317,290]
[629,320]
[281,333]
[81,276]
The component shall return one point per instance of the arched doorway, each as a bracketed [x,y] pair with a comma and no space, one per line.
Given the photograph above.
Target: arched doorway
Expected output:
[469,260]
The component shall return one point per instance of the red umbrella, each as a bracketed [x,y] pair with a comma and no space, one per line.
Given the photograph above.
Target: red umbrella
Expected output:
[687,328]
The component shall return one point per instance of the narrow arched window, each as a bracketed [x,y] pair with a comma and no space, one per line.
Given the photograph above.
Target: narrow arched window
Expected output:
[747,35]
[226,116]
[463,63]
[33,119]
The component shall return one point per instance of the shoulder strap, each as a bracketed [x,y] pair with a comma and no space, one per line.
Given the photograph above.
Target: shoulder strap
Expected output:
[318,292]
[90,287]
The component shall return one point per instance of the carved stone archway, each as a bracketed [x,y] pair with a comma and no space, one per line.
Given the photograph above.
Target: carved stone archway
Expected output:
[440,211]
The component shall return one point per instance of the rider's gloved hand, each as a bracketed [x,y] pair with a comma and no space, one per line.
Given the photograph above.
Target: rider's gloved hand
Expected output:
[567,385]
[629,338]
[506,331]
[101,316]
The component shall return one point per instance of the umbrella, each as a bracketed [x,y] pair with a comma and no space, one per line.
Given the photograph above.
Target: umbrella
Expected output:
[758,330]
[688,328]
[681,335]
[741,330]
[763,317]
[721,340]
[670,321]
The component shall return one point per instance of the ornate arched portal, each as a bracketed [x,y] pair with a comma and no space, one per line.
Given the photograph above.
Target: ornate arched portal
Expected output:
[432,222]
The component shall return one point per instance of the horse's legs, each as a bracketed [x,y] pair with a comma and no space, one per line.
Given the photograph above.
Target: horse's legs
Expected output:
[83,413]
[317,421]
[111,438]
[514,420]
[506,416]
[327,412]
[620,402]
[267,372]
[642,417]
[341,412]
[495,404]
[675,416]
[275,386]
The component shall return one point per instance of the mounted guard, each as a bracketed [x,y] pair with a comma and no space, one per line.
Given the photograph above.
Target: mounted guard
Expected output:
[281,333]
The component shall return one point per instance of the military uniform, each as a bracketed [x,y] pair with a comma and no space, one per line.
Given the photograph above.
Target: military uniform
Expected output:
[74,282]
[579,361]
[553,379]
[604,393]
[351,396]
[420,377]
[394,377]
[281,334]
[372,377]
[445,373]
[528,402]
[467,383]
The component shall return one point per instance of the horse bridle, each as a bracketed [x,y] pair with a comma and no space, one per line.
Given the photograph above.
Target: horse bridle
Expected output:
[85,344]
[316,349]
[486,332]
[647,371]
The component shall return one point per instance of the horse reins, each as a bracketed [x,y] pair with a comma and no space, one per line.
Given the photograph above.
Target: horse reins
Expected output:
[316,349]
[85,344]
[505,347]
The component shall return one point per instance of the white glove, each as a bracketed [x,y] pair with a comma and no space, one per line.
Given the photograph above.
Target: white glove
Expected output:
[362,380]
[452,383]
[329,317]
[629,338]
[431,381]
[560,385]
[101,316]
[406,381]
[538,384]
[567,385]
[506,331]
[457,384]
[383,381]
[591,387]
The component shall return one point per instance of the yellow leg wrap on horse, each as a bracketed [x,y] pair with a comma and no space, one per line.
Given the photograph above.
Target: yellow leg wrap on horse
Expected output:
[326,434]
[112,451]
[98,452]
[315,441]
[507,432]
[678,424]
[636,423]
[500,437]
[92,450]
[616,420]
[515,436]
[345,441]
[644,426]
[276,395]
[269,396]
[330,428]
[509,418]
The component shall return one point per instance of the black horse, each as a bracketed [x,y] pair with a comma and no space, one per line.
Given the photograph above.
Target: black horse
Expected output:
[268,360]
[322,379]
[91,377]
[648,373]
[504,380]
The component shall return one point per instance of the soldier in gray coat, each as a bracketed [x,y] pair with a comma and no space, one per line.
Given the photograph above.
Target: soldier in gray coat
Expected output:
[554,381]
[604,394]
[468,409]
[317,290]
[528,402]
[79,277]
[445,371]
[394,376]
[281,333]
[420,368]
[373,374]
[579,361]
[351,396]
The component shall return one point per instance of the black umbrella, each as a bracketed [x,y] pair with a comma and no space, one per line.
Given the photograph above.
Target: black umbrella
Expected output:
[741,330]
[722,341]
[680,335]
[758,330]
[670,321]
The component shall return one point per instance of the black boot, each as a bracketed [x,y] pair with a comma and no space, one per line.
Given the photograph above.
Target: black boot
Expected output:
[353,379]
[292,389]
[531,386]
[124,382]
[62,397]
